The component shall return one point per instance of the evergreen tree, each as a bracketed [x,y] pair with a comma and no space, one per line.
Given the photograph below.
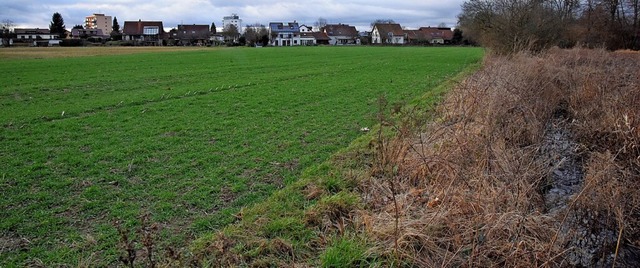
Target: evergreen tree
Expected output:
[115,30]
[77,26]
[116,26]
[213,28]
[57,25]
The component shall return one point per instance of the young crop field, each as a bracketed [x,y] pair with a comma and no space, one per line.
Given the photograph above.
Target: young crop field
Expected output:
[185,137]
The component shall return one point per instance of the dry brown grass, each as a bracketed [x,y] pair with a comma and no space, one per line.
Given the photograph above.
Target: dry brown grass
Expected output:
[470,191]
[66,52]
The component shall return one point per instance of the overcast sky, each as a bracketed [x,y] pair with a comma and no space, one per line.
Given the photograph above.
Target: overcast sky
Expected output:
[359,13]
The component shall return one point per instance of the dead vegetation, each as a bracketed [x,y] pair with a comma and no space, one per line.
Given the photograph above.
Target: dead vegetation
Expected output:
[471,190]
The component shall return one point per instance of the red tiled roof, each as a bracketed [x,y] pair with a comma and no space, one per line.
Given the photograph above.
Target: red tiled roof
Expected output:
[385,28]
[416,35]
[444,33]
[320,36]
[136,27]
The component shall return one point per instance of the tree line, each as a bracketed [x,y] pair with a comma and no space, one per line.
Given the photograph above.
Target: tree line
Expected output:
[507,26]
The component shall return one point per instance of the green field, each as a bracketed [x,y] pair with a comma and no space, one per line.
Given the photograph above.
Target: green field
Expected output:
[187,137]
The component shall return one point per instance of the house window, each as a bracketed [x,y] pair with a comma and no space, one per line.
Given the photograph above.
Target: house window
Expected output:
[150,30]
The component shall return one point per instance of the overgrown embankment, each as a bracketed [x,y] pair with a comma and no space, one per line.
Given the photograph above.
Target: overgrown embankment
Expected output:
[532,161]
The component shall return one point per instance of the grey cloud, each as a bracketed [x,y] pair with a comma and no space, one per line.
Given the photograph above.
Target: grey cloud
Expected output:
[360,13]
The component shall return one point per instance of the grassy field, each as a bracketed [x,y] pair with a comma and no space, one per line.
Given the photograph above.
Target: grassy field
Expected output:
[186,137]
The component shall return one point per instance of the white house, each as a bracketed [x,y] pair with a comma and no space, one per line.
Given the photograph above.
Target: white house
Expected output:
[34,34]
[284,35]
[387,33]
[341,34]
[305,29]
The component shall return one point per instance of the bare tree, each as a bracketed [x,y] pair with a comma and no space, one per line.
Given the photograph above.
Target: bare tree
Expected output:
[231,33]
[320,23]
[382,21]
[255,33]
[7,27]
[7,24]
[508,26]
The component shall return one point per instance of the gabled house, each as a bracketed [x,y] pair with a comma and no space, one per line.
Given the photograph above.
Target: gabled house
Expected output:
[439,35]
[144,32]
[88,33]
[387,33]
[416,37]
[341,34]
[284,34]
[34,34]
[192,34]
[321,38]
[217,38]
[305,29]
[314,38]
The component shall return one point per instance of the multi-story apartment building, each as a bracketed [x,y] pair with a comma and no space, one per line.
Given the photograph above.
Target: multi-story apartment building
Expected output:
[234,19]
[99,21]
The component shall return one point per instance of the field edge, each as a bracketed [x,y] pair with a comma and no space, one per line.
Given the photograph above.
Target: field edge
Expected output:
[307,222]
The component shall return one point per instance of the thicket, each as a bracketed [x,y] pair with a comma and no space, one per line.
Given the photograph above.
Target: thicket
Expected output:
[472,189]
[508,26]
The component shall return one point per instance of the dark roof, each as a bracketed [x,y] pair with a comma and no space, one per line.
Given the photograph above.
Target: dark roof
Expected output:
[340,30]
[444,33]
[385,28]
[31,31]
[88,32]
[281,27]
[190,32]
[136,27]
[193,27]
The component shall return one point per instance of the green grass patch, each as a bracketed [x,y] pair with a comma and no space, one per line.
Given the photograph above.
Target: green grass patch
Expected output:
[188,137]
[345,252]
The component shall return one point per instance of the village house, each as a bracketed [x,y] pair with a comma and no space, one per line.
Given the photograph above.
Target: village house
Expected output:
[416,37]
[314,38]
[341,34]
[387,33]
[34,34]
[306,29]
[35,37]
[191,34]
[88,33]
[150,33]
[438,35]
[284,35]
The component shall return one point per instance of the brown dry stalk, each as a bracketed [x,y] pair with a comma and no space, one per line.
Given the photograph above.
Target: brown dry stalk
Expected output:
[470,191]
